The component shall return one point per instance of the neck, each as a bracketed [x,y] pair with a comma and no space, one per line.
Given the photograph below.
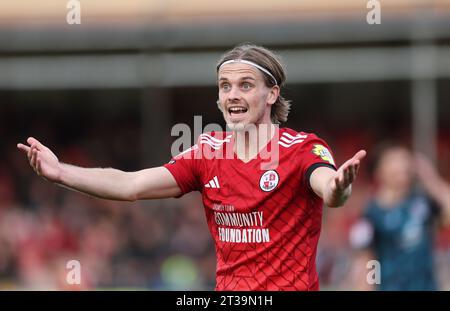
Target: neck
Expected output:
[249,142]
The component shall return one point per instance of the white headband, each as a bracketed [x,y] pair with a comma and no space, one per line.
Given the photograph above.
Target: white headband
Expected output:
[267,72]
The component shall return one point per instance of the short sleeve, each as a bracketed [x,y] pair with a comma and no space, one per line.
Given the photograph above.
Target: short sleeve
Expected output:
[185,169]
[315,153]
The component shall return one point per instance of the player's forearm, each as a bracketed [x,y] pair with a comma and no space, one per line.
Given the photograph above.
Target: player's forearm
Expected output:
[106,183]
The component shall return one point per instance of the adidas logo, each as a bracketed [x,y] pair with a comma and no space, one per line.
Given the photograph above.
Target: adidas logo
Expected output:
[213,183]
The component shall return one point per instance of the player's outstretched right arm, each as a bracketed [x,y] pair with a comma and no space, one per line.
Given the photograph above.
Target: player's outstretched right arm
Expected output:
[106,183]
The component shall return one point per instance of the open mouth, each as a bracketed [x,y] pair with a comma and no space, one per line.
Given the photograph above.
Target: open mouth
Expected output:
[237,110]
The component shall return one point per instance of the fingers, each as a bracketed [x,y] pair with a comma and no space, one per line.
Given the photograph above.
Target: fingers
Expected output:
[23,148]
[353,171]
[38,167]
[357,167]
[29,153]
[33,141]
[34,155]
[351,167]
[34,144]
[346,174]
[33,158]
[360,155]
[351,174]
[32,152]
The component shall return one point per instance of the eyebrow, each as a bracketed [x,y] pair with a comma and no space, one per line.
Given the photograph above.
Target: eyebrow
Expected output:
[243,78]
[248,78]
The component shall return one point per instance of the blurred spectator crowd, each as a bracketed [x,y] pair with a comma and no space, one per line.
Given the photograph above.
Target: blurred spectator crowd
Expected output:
[163,244]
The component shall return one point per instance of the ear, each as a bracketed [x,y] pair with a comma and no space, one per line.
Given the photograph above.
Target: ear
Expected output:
[273,94]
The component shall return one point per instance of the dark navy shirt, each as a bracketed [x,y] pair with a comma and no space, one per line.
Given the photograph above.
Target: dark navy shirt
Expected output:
[403,242]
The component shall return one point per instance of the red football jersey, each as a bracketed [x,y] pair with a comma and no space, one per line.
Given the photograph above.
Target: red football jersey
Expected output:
[263,215]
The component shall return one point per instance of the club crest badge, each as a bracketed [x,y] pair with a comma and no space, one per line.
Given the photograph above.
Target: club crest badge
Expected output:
[269,180]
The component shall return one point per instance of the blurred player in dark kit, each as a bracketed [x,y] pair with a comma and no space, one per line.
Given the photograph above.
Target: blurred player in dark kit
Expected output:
[398,225]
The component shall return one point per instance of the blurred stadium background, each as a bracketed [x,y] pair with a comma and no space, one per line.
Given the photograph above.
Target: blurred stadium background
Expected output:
[108,91]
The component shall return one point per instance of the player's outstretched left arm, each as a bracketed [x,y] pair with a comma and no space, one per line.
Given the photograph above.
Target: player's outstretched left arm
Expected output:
[335,187]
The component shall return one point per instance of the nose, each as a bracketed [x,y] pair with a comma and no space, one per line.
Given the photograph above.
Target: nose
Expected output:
[234,93]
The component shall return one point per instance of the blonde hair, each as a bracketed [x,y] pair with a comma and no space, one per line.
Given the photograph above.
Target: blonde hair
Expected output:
[271,62]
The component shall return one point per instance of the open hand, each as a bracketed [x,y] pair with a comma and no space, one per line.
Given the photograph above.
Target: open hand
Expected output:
[43,161]
[346,174]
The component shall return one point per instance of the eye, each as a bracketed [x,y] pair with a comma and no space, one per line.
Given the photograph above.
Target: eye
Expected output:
[246,86]
[225,86]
